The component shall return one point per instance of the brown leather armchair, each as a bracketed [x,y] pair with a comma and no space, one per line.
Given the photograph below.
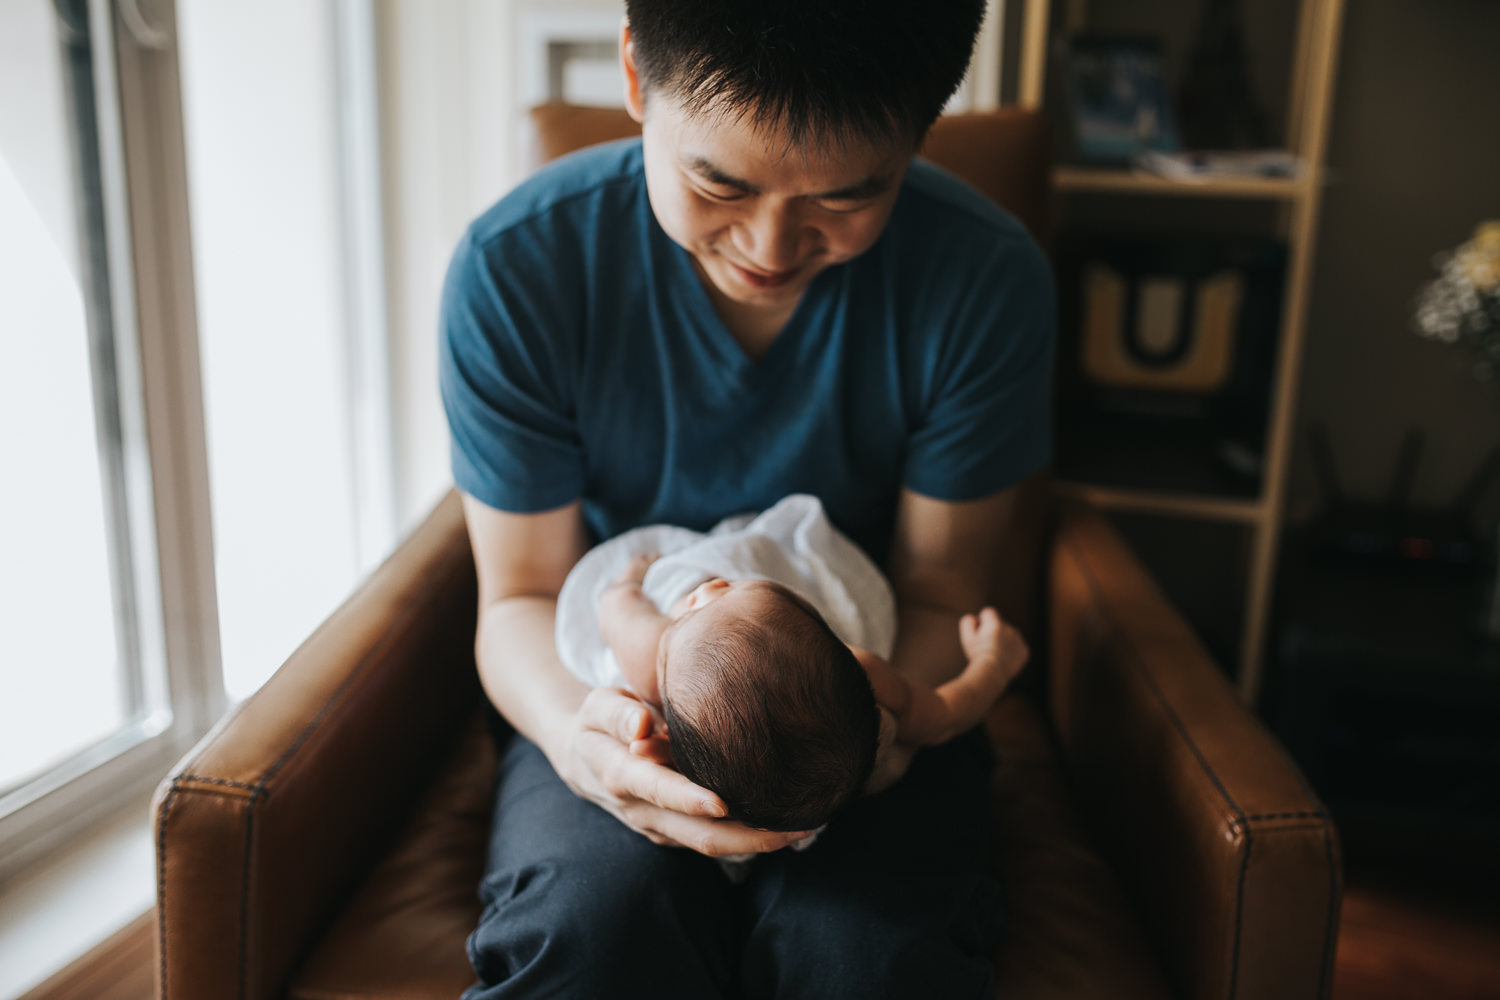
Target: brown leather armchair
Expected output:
[326,840]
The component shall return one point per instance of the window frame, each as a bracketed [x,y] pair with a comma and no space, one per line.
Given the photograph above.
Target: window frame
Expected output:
[152,422]
[160,473]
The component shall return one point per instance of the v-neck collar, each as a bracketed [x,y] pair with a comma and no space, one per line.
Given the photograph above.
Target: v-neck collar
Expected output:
[738,366]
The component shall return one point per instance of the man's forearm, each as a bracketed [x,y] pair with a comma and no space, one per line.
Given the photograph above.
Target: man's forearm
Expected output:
[928,650]
[521,672]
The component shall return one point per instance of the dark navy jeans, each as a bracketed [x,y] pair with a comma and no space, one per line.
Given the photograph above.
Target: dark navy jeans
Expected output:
[893,900]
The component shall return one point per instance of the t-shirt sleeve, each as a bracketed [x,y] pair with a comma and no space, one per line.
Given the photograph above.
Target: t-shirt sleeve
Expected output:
[506,377]
[986,422]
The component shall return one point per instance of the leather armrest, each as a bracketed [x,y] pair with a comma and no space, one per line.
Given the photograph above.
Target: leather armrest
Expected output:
[264,828]
[1230,857]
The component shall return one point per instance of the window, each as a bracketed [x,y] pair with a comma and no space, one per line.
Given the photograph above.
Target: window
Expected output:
[286,245]
[181,468]
[66,581]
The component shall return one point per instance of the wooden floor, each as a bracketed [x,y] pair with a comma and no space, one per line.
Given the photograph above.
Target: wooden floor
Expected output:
[119,969]
[1396,942]
[1400,939]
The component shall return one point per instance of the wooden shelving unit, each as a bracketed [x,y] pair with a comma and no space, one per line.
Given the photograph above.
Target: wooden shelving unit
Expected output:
[1298,201]
[1104,181]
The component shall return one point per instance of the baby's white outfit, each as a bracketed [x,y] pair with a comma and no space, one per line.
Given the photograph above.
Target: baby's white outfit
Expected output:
[792,543]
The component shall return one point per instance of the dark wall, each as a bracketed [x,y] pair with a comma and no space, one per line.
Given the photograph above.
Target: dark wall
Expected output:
[1414,161]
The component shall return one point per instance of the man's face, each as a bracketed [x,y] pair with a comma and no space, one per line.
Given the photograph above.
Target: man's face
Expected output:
[761,219]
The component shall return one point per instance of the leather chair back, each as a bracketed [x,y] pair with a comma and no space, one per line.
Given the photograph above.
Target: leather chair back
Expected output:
[1006,155]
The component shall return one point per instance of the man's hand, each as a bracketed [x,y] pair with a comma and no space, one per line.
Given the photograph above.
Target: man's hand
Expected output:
[522,561]
[638,790]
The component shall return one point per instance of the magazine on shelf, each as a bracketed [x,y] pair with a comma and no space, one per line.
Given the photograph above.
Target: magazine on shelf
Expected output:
[1264,164]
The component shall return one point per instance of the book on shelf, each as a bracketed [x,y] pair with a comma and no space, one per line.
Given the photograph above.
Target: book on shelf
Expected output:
[1200,166]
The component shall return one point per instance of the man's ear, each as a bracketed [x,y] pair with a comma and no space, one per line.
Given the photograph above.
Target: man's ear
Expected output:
[635,100]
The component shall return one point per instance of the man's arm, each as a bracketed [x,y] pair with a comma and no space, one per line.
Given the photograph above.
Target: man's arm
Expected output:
[522,561]
[951,559]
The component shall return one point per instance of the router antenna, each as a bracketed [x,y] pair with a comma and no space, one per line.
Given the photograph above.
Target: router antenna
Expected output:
[1468,497]
[1406,469]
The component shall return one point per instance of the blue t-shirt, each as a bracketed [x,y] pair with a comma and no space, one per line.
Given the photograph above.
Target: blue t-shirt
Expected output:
[581,358]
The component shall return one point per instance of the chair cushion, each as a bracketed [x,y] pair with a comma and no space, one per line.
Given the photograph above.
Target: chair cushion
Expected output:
[1070,932]
[403,933]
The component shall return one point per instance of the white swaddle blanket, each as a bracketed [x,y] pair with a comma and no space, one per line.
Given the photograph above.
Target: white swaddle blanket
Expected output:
[792,543]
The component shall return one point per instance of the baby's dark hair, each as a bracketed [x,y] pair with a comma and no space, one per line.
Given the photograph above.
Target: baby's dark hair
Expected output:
[777,717]
[825,71]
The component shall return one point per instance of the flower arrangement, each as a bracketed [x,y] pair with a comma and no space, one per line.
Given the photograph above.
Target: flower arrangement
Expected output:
[1462,305]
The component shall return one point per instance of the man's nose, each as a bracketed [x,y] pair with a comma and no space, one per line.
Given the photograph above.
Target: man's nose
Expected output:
[773,237]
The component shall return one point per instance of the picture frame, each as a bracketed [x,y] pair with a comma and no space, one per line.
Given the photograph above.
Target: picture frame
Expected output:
[1118,101]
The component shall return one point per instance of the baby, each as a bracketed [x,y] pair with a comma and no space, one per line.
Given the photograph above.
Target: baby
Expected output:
[764,644]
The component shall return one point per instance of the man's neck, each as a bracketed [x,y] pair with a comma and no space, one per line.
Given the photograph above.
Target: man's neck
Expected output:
[754,328]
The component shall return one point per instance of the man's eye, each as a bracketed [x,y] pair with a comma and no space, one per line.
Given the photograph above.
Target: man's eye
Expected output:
[722,194]
[844,206]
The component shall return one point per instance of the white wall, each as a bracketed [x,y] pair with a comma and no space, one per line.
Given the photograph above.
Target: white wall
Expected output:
[1414,154]
[455,80]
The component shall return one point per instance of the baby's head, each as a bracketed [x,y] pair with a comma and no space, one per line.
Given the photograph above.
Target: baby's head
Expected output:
[764,705]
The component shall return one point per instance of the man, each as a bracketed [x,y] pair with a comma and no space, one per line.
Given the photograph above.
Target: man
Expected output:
[763,296]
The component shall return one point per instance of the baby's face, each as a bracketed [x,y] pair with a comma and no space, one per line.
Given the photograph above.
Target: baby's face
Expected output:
[705,607]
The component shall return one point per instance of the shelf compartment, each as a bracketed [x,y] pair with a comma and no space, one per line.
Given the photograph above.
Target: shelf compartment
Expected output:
[1208,508]
[1104,180]
[1127,454]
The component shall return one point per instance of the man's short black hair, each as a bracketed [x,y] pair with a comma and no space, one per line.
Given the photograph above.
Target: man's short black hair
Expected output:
[776,717]
[825,71]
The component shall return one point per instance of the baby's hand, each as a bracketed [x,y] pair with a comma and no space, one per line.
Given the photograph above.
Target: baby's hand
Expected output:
[980,634]
[996,653]
[635,572]
[994,648]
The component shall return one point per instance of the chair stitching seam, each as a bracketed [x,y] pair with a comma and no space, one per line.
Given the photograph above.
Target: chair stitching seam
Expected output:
[1300,814]
[1330,934]
[205,779]
[1291,828]
[1239,915]
[1177,724]
[161,884]
[245,884]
